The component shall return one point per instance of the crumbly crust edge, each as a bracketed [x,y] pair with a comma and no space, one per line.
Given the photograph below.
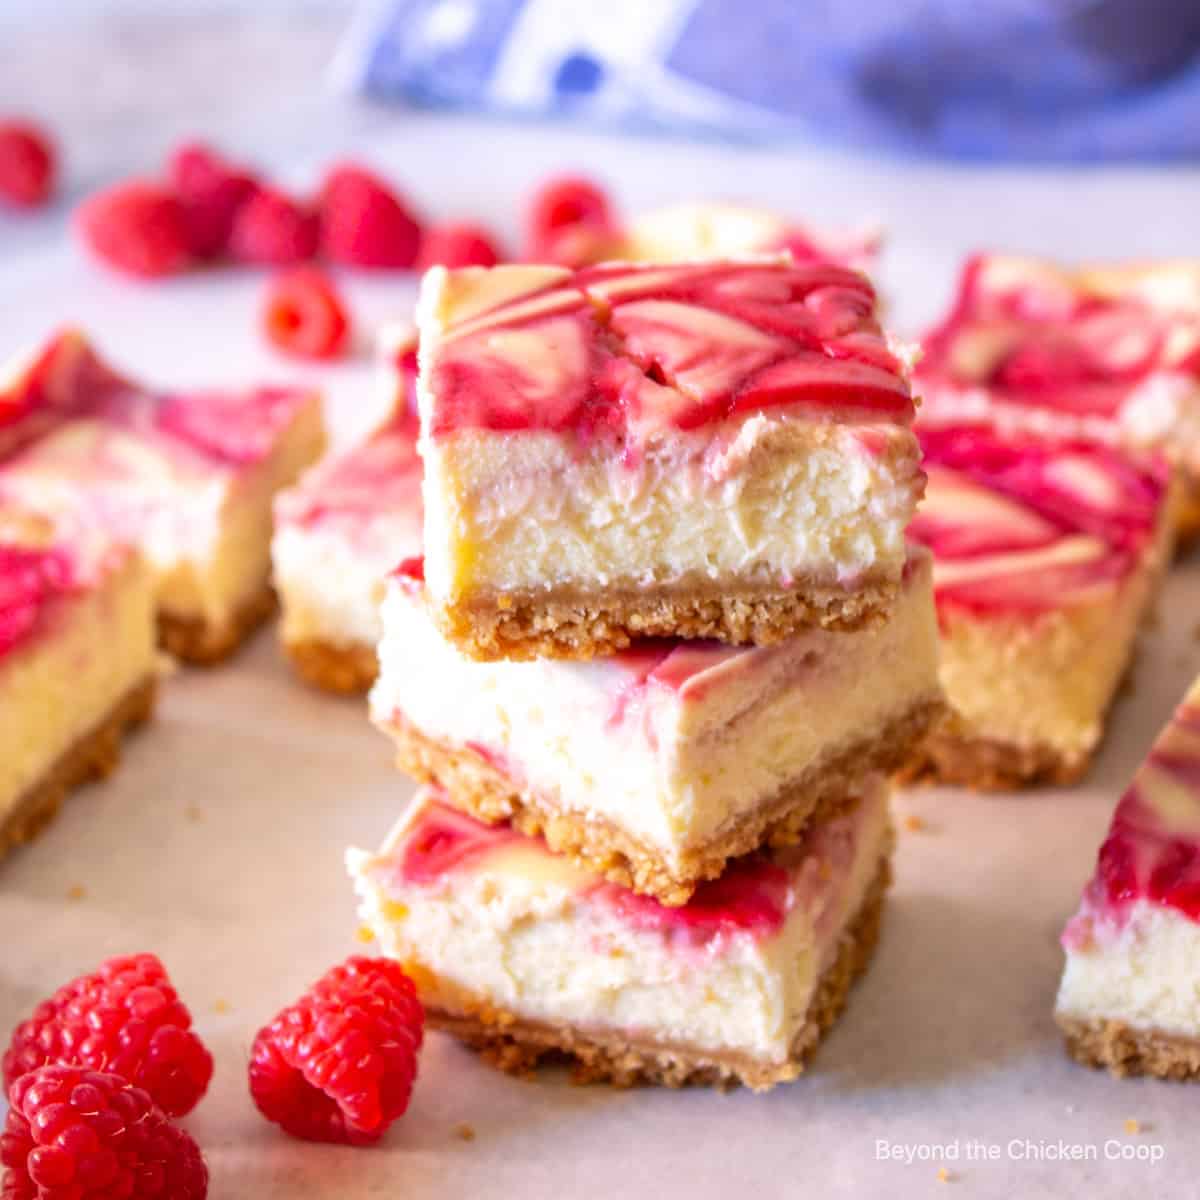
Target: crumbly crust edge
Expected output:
[989,764]
[483,790]
[347,668]
[1125,1051]
[517,1045]
[566,624]
[205,643]
[92,756]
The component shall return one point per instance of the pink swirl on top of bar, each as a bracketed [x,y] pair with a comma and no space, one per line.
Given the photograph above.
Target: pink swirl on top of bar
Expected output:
[1027,524]
[69,380]
[1028,331]
[30,578]
[65,379]
[236,429]
[629,351]
[753,896]
[1152,851]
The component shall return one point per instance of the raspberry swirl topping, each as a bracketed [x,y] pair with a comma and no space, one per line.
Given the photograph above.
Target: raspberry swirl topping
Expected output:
[1029,525]
[1152,852]
[629,351]
[1033,334]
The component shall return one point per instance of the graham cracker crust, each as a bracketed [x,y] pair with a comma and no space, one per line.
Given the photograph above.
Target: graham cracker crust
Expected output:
[559,625]
[348,669]
[516,1045]
[481,789]
[202,643]
[1126,1051]
[988,765]
[1187,512]
[92,756]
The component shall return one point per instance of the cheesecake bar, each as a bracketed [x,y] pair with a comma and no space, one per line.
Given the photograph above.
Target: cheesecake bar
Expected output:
[655,766]
[702,450]
[1047,554]
[338,534]
[1106,351]
[683,232]
[522,953]
[1130,993]
[186,477]
[78,663]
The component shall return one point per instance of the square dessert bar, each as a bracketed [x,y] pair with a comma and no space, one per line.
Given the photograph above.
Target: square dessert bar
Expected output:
[523,953]
[1047,556]
[1108,352]
[338,534]
[655,766]
[186,477]
[1130,994]
[702,450]
[78,663]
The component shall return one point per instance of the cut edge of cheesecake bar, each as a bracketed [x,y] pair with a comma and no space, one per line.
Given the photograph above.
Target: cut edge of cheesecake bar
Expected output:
[573,626]
[94,755]
[952,756]
[828,785]
[204,643]
[348,668]
[1124,1050]
[517,1045]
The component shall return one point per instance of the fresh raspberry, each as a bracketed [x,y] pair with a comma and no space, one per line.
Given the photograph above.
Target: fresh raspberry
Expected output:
[364,223]
[73,1134]
[138,227]
[563,213]
[339,1064]
[27,165]
[272,227]
[125,1018]
[305,316]
[211,190]
[457,244]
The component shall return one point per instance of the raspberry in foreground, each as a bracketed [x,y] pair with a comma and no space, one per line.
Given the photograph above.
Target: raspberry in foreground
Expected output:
[339,1064]
[27,165]
[304,315]
[73,1134]
[457,244]
[211,190]
[273,228]
[364,223]
[126,1019]
[138,227]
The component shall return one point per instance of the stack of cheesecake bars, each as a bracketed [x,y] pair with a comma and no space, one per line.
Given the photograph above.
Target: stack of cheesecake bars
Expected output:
[664,647]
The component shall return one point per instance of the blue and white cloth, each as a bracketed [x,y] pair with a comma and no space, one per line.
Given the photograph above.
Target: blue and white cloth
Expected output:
[977,79]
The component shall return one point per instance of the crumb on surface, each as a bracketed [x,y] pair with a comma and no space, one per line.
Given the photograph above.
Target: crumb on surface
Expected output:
[76,892]
[1133,1125]
[222,1006]
[944,1176]
[365,934]
[194,813]
[464,1132]
[913,823]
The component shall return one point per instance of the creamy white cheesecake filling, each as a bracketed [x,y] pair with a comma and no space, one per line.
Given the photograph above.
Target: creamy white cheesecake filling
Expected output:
[330,588]
[62,683]
[673,766]
[1047,678]
[764,501]
[1144,971]
[519,930]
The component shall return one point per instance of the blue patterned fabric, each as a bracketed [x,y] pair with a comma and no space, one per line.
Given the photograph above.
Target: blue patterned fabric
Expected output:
[975,79]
